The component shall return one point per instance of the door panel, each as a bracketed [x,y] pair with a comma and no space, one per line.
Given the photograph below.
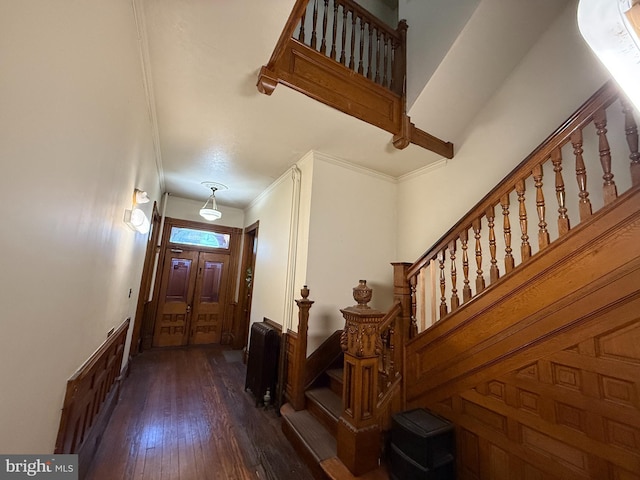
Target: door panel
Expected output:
[209,299]
[176,292]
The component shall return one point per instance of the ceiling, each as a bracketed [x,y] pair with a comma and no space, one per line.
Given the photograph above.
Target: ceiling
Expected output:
[201,59]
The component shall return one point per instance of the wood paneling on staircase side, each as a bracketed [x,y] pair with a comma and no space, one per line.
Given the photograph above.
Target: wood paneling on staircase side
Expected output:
[541,373]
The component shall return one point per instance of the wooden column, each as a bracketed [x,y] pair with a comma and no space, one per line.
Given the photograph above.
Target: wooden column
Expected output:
[300,354]
[358,429]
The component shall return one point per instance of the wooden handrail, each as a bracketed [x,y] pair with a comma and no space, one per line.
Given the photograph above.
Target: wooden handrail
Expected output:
[287,32]
[391,315]
[604,97]
[528,204]
[355,7]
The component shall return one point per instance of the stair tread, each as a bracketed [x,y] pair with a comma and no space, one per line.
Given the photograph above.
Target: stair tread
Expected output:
[318,440]
[336,373]
[327,399]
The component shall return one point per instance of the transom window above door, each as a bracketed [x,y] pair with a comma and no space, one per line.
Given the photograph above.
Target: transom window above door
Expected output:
[200,238]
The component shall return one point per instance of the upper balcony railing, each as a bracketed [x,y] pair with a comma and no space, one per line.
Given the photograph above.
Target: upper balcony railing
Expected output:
[338,53]
[347,33]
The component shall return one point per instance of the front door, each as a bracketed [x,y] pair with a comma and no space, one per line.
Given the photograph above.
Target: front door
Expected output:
[192,298]
[176,295]
[208,302]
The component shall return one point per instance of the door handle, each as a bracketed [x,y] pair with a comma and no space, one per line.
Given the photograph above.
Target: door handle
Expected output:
[188,308]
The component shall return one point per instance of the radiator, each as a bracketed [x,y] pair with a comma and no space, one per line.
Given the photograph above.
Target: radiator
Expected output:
[262,364]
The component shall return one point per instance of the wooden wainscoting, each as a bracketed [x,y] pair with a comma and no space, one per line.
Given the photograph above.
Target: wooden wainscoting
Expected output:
[541,373]
[92,393]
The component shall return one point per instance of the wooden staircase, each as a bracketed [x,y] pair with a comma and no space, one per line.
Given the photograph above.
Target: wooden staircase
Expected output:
[313,431]
[534,356]
[341,397]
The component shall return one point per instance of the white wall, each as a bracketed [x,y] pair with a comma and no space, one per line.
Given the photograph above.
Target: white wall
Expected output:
[187,209]
[75,141]
[557,75]
[273,210]
[381,10]
[433,26]
[351,237]
[345,232]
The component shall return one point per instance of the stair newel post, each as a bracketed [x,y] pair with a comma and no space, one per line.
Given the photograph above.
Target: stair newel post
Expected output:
[406,325]
[399,66]
[359,434]
[300,355]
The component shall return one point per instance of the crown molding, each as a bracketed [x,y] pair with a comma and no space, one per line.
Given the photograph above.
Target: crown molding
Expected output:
[422,171]
[145,65]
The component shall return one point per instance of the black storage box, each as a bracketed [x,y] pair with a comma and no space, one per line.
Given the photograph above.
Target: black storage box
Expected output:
[423,437]
[404,468]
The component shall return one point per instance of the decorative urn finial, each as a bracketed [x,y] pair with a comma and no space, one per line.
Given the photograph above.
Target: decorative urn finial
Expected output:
[304,291]
[362,294]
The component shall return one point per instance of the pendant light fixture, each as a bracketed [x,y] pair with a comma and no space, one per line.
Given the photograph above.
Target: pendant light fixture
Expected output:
[211,213]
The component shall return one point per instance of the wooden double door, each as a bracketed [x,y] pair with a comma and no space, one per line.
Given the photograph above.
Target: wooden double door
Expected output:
[192,300]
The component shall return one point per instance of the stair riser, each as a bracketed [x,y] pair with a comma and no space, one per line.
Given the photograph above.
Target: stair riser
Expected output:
[336,386]
[301,447]
[323,416]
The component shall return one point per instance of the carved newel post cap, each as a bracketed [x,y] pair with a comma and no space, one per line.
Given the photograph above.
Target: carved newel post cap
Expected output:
[304,291]
[362,294]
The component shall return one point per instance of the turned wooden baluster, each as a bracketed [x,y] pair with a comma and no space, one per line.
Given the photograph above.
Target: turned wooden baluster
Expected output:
[343,54]
[509,262]
[352,57]
[631,130]
[581,176]
[378,48]
[480,285]
[392,82]
[466,290]
[443,284]
[323,44]
[455,301]
[301,32]
[335,30]
[543,234]
[563,219]
[360,64]
[609,187]
[391,369]
[370,51]
[385,53]
[525,247]
[314,35]
[413,327]
[494,272]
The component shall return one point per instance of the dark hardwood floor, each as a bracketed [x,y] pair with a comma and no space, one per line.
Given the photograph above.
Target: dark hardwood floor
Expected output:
[184,415]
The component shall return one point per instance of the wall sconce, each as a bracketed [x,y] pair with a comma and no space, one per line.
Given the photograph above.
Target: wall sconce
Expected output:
[135,218]
[140,196]
[612,29]
[212,213]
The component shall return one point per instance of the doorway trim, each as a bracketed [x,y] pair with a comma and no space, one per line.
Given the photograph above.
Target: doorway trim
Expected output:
[243,317]
[234,259]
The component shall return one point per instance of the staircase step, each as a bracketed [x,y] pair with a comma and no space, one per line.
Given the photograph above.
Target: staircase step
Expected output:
[318,448]
[309,437]
[326,406]
[336,381]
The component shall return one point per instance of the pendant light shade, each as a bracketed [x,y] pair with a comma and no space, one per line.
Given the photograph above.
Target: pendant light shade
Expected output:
[211,212]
